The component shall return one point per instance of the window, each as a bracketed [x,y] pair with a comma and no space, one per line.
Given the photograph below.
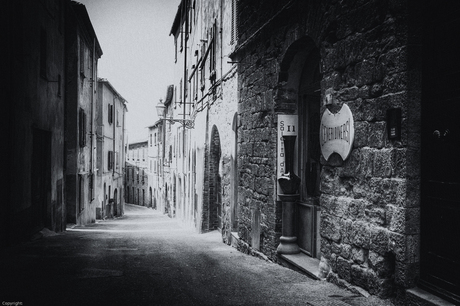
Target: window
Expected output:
[110,113]
[175,49]
[43,53]
[212,59]
[181,38]
[150,139]
[82,127]
[110,160]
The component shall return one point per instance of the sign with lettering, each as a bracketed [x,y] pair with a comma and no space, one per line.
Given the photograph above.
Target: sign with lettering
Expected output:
[287,125]
[337,132]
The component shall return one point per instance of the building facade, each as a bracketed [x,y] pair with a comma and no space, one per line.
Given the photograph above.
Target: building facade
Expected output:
[136,180]
[33,124]
[200,111]
[322,131]
[155,165]
[110,120]
[375,207]
[82,53]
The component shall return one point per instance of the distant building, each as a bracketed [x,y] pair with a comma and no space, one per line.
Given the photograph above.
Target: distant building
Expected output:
[82,51]
[136,181]
[33,122]
[110,120]
[155,165]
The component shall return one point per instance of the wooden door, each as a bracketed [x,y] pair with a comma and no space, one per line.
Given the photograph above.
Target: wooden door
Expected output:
[440,210]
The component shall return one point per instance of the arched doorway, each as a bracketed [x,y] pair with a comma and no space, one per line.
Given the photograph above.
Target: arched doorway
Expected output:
[300,74]
[166,201]
[234,176]
[150,197]
[215,196]
[115,202]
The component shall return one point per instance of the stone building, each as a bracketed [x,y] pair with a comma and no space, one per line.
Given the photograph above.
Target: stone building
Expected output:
[82,53]
[155,158]
[33,98]
[136,176]
[110,119]
[200,118]
[375,212]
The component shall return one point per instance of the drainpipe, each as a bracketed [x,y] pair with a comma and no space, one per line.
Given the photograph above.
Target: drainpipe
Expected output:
[185,80]
[93,90]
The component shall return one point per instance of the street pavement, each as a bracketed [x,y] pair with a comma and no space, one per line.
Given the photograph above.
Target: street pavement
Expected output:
[147,258]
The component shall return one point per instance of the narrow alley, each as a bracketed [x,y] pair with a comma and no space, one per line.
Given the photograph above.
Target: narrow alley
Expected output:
[147,258]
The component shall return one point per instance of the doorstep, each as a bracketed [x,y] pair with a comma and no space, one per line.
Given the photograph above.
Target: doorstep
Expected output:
[420,297]
[301,263]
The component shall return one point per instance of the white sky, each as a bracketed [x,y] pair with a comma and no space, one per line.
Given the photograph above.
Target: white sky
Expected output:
[138,54]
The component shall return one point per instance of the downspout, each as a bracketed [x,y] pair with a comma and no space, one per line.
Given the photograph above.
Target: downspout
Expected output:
[114,122]
[185,81]
[93,90]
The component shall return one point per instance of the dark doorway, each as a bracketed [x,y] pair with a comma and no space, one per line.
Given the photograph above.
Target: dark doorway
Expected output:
[215,195]
[115,202]
[41,178]
[440,210]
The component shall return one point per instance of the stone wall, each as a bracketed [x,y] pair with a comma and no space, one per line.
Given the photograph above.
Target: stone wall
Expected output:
[369,203]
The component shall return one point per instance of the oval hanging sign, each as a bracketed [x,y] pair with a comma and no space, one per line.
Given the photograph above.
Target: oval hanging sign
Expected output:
[337,132]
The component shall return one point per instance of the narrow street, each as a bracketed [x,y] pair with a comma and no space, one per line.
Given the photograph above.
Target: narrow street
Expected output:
[146,258]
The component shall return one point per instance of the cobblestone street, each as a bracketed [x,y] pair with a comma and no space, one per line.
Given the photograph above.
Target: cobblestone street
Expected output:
[146,258]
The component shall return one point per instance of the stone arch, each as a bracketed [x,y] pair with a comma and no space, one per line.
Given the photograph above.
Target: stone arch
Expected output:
[115,202]
[291,68]
[215,193]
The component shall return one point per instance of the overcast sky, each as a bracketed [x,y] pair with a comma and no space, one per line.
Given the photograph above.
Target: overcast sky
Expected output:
[138,54]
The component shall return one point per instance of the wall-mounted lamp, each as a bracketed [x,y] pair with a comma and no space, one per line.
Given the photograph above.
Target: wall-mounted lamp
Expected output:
[186,123]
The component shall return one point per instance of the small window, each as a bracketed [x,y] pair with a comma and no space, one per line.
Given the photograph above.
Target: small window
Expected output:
[110,160]
[110,113]
[82,128]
